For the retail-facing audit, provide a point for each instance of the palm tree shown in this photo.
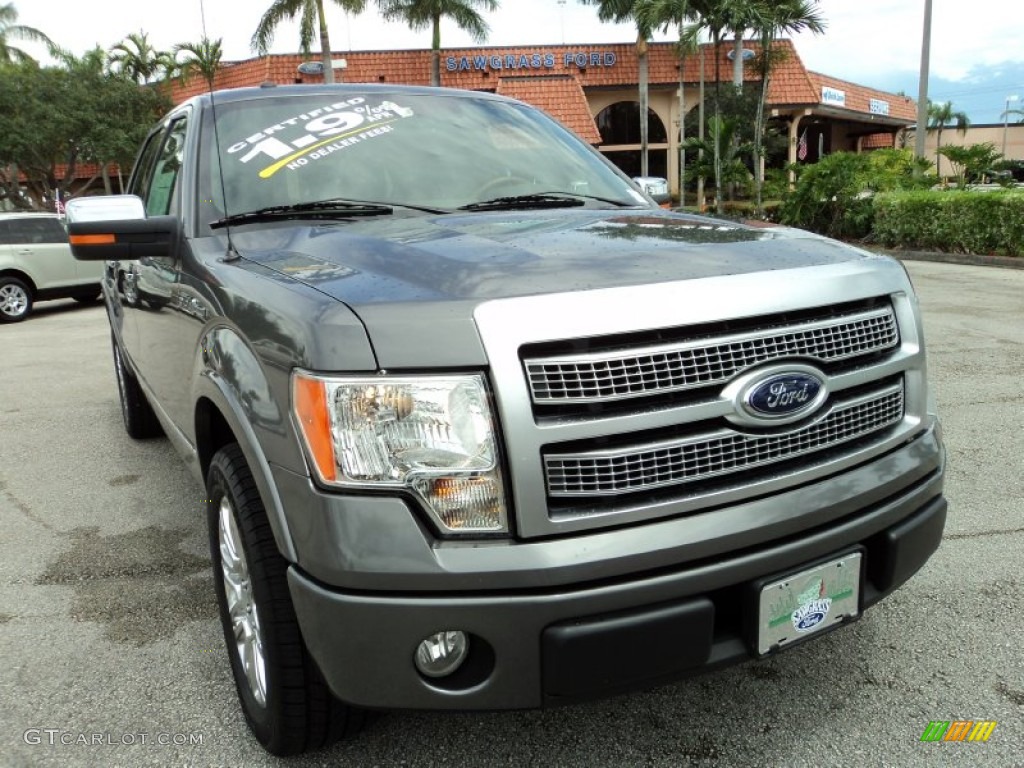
(137, 60)
(664, 14)
(739, 16)
(940, 115)
(312, 22)
(626, 10)
(423, 14)
(723, 143)
(202, 58)
(774, 19)
(11, 30)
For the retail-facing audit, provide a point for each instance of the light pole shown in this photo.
(1006, 119)
(561, 18)
(922, 84)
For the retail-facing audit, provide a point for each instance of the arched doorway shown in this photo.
(619, 124)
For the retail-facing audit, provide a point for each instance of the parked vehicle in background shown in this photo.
(36, 264)
(481, 426)
(656, 187)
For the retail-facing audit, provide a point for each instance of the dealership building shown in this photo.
(592, 89)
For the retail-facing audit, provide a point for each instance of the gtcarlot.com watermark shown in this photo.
(53, 737)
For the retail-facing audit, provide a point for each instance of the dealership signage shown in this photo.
(833, 96)
(530, 61)
(878, 107)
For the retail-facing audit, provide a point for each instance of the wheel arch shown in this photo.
(23, 276)
(218, 421)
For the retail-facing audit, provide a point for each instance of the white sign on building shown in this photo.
(833, 96)
(878, 107)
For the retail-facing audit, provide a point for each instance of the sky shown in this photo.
(977, 48)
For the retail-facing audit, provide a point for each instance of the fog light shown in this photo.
(442, 653)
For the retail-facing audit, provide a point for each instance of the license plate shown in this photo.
(811, 601)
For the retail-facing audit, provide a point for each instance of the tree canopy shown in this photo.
(55, 119)
(136, 59)
(11, 30)
(312, 24)
(202, 58)
(427, 14)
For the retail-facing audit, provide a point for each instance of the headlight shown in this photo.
(433, 435)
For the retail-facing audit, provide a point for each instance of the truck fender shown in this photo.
(230, 381)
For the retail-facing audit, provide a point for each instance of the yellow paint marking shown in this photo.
(270, 170)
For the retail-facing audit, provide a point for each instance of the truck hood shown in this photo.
(415, 280)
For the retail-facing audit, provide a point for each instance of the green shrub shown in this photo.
(776, 184)
(956, 221)
(833, 196)
(827, 198)
(970, 163)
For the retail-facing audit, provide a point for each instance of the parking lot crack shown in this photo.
(22, 507)
(982, 534)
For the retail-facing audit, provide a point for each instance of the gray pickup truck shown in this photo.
(482, 427)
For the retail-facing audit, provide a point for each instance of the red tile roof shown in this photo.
(558, 95)
(603, 65)
(83, 171)
(858, 97)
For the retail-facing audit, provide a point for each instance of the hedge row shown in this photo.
(956, 221)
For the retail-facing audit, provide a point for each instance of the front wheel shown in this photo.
(284, 698)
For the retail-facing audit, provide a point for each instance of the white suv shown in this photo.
(36, 264)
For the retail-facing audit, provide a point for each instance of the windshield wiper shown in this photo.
(317, 209)
(609, 200)
(544, 200)
(522, 202)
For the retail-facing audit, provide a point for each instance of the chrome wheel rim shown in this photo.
(245, 622)
(13, 300)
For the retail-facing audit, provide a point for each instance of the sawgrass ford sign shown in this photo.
(579, 59)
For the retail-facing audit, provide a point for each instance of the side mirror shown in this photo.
(105, 208)
(116, 228)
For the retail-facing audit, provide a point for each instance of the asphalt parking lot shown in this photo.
(109, 635)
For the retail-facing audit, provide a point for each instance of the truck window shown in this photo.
(160, 198)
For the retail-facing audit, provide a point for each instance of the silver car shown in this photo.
(36, 264)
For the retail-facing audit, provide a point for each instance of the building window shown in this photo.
(628, 161)
(620, 124)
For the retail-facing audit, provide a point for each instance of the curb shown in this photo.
(970, 259)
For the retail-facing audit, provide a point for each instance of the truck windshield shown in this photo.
(438, 152)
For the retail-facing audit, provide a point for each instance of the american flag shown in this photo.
(801, 147)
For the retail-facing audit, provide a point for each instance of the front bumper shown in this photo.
(540, 645)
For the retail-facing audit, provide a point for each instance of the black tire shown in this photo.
(15, 300)
(139, 420)
(288, 707)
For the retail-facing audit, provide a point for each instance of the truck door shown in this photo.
(150, 282)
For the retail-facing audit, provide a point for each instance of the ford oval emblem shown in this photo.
(784, 395)
(311, 68)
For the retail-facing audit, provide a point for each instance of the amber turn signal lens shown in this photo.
(92, 239)
(311, 410)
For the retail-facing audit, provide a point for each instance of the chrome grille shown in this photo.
(596, 377)
(672, 462)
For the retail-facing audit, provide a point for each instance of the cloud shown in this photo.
(873, 38)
